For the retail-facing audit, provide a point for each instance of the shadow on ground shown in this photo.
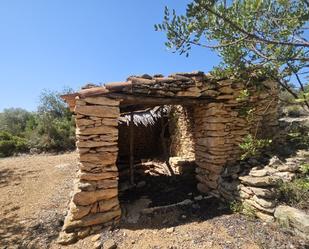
(14, 177)
(162, 193)
(16, 233)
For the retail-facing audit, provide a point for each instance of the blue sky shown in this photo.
(66, 43)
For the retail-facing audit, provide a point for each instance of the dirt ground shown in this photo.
(35, 190)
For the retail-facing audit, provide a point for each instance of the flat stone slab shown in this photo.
(263, 181)
(293, 218)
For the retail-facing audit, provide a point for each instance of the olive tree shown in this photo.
(269, 34)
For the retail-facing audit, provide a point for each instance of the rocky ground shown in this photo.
(34, 192)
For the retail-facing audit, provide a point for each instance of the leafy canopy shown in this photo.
(14, 120)
(51, 128)
(246, 33)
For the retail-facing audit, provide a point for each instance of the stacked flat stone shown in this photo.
(257, 189)
(221, 126)
(176, 85)
(181, 129)
(94, 203)
(218, 128)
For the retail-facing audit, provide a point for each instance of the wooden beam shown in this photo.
(131, 148)
(128, 99)
(163, 143)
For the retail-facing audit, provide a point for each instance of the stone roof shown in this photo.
(135, 84)
(183, 85)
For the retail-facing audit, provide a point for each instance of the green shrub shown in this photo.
(13, 120)
(10, 144)
(243, 95)
(295, 193)
(304, 168)
(236, 206)
(299, 139)
(51, 128)
(239, 207)
(249, 211)
(252, 146)
(294, 111)
(7, 148)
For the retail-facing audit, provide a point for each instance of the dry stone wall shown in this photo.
(235, 109)
(94, 200)
(181, 132)
(220, 128)
(227, 111)
(257, 189)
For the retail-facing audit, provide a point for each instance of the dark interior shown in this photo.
(152, 176)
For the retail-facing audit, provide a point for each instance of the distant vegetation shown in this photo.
(51, 128)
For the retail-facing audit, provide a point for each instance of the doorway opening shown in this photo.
(156, 160)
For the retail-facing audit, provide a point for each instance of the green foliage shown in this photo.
(298, 136)
(266, 34)
(243, 95)
(303, 96)
(53, 134)
(247, 112)
(239, 207)
(286, 98)
(304, 168)
(14, 120)
(10, 144)
(52, 105)
(236, 206)
(295, 193)
(51, 128)
(252, 146)
(294, 111)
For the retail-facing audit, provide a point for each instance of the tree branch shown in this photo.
(300, 83)
(222, 45)
(254, 36)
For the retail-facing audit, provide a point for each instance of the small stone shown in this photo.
(262, 192)
(109, 244)
(264, 217)
(67, 238)
(83, 233)
(258, 173)
(97, 245)
(170, 230)
(285, 176)
(288, 167)
(195, 206)
(198, 198)
(96, 237)
(141, 184)
(264, 202)
(275, 161)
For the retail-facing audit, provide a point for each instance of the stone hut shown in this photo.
(211, 118)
